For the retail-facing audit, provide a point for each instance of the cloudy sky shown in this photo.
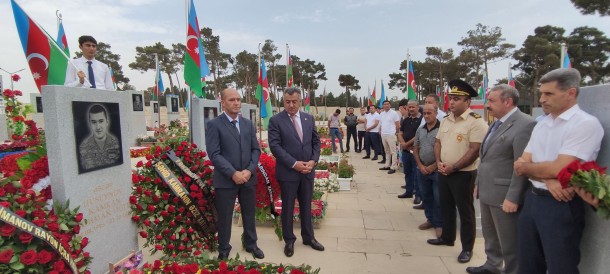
(365, 38)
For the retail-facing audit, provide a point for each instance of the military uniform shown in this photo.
(92, 156)
(456, 189)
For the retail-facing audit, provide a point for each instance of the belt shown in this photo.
(540, 192)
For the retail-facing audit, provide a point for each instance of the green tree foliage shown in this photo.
(106, 56)
(218, 61)
(593, 6)
(350, 83)
(269, 51)
(245, 74)
(589, 49)
(145, 60)
(485, 44)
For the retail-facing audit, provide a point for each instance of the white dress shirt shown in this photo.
(574, 133)
(388, 120)
(101, 73)
(231, 120)
(370, 121)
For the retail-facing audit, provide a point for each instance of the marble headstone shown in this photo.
(172, 103)
(250, 112)
(137, 117)
(37, 115)
(102, 194)
(3, 128)
(154, 116)
(203, 111)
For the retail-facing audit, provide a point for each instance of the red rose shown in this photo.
(21, 213)
(22, 200)
(78, 217)
(76, 229)
(84, 242)
(15, 77)
(143, 234)
(151, 208)
(158, 247)
(44, 256)
(39, 222)
(59, 265)
(25, 238)
(593, 166)
(6, 256)
(53, 226)
(139, 164)
(29, 257)
(7, 230)
(146, 222)
(133, 200)
(39, 214)
(135, 218)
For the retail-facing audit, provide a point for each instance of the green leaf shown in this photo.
(17, 266)
(64, 227)
(602, 193)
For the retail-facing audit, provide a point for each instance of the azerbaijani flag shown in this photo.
(511, 80)
(262, 94)
(195, 65)
(307, 102)
(46, 59)
(368, 96)
(446, 98)
(566, 60)
(382, 95)
(62, 40)
(159, 89)
(289, 77)
(411, 95)
(483, 87)
(373, 98)
(112, 78)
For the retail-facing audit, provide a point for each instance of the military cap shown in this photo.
(461, 88)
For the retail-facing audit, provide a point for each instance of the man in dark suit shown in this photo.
(295, 143)
(233, 148)
(500, 190)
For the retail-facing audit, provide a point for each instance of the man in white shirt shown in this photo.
(87, 72)
(390, 123)
(372, 134)
(360, 128)
(552, 218)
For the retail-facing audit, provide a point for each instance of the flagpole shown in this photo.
(157, 89)
(563, 54)
(407, 78)
(287, 64)
(261, 102)
(58, 14)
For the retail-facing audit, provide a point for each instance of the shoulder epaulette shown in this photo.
(475, 115)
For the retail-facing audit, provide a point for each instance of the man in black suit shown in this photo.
(295, 143)
(233, 148)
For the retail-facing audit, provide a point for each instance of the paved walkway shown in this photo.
(368, 230)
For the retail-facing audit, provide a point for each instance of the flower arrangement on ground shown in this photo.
(591, 178)
(345, 169)
(166, 224)
(139, 152)
(325, 181)
(23, 133)
(318, 210)
(25, 190)
(233, 265)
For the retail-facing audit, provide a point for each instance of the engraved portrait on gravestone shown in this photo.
(174, 104)
(138, 104)
(155, 107)
(38, 104)
(209, 113)
(97, 130)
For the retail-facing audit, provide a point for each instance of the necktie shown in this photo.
(91, 76)
(494, 127)
(297, 127)
(234, 123)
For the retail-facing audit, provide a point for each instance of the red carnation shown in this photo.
(25, 238)
(44, 256)
(29, 257)
(15, 77)
(6, 256)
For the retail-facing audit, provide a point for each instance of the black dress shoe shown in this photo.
(420, 206)
(256, 252)
(367, 157)
(381, 162)
(384, 168)
(347, 150)
(417, 200)
(405, 195)
(315, 245)
(465, 256)
(479, 270)
(223, 255)
(289, 249)
(374, 158)
(440, 241)
(391, 171)
(403, 187)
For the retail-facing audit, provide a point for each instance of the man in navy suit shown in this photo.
(295, 143)
(233, 148)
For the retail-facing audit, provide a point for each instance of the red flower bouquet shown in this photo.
(233, 265)
(591, 178)
(166, 224)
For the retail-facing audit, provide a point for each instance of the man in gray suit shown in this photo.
(295, 143)
(233, 148)
(499, 189)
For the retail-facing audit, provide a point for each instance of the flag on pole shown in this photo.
(62, 40)
(289, 77)
(446, 98)
(511, 80)
(368, 96)
(195, 64)
(373, 98)
(159, 88)
(412, 90)
(483, 87)
(382, 95)
(262, 93)
(307, 101)
(566, 59)
(112, 78)
(46, 59)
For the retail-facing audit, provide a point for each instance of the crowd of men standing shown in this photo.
(530, 224)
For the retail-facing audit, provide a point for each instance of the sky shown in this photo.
(365, 38)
